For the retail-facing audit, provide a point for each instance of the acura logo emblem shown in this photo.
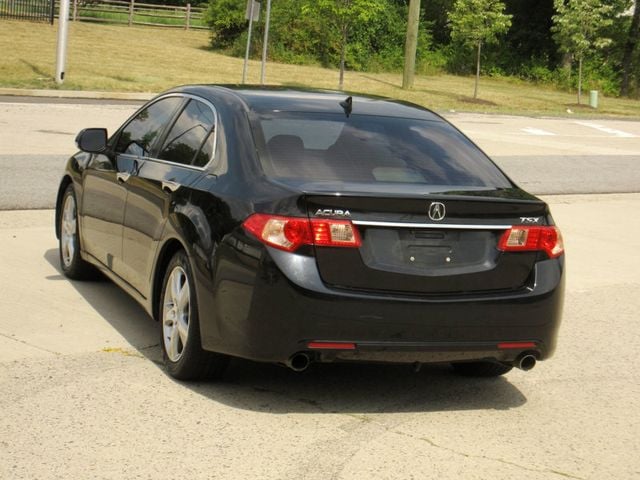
(436, 211)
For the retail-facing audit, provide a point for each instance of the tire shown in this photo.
(182, 352)
(481, 369)
(71, 262)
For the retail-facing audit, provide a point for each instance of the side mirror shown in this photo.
(92, 140)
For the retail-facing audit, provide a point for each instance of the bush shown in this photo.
(227, 22)
(597, 74)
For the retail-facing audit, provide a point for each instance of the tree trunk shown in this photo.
(343, 49)
(579, 80)
(475, 89)
(629, 48)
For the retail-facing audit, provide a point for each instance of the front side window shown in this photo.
(190, 140)
(317, 147)
(138, 137)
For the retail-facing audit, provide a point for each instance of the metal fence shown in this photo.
(35, 10)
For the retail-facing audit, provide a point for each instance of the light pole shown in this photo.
(63, 31)
(265, 42)
(246, 54)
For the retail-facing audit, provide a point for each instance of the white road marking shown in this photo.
(612, 131)
(536, 131)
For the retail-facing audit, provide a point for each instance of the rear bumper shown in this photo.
(281, 305)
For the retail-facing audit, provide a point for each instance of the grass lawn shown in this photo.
(146, 59)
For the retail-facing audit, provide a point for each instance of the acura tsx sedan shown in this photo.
(295, 227)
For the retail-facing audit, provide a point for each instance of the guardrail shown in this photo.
(133, 13)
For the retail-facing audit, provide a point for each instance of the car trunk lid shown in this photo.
(438, 243)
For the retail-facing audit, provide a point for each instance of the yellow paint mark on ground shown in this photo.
(122, 351)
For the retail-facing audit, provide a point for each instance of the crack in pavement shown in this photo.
(483, 457)
(29, 344)
(370, 422)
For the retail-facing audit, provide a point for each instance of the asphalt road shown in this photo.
(82, 394)
(543, 155)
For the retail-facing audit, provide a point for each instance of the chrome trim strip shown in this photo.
(167, 162)
(431, 225)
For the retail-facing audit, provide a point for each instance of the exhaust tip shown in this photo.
(526, 362)
(299, 362)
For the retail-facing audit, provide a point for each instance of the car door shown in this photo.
(102, 211)
(105, 181)
(162, 183)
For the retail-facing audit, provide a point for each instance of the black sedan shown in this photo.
(296, 227)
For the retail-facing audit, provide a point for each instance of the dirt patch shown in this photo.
(477, 101)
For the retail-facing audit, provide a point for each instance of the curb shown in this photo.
(24, 92)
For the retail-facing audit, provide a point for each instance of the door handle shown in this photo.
(123, 177)
(169, 186)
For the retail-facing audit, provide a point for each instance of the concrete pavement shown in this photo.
(36, 139)
(82, 396)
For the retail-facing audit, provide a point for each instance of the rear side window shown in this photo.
(313, 147)
(138, 137)
(190, 140)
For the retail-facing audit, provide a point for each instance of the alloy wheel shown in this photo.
(68, 235)
(176, 314)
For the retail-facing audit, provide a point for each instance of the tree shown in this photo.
(577, 25)
(227, 21)
(478, 22)
(339, 16)
(629, 49)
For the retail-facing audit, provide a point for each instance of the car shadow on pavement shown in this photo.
(121, 311)
(358, 388)
(325, 388)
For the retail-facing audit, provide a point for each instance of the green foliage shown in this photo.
(578, 25)
(305, 32)
(227, 22)
(529, 41)
(475, 22)
(379, 45)
(435, 13)
(338, 17)
(311, 32)
(598, 74)
(478, 22)
(538, 73)
(340, 14)
(577, 29)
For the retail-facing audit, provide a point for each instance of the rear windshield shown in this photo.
(317, 147)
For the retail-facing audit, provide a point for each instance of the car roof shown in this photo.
(261, 99)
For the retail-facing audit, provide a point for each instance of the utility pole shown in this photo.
(411, 44)
(265, 43)
(63, 29)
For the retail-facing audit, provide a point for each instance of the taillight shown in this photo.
(290, 233)
(526, 239)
